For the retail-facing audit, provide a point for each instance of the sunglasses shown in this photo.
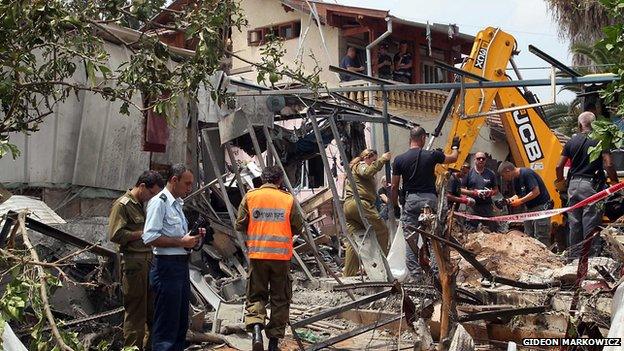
(480, 158)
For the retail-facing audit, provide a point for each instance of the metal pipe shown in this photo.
(308, 236)
(553, 61)
(505, 313)
(342, 308)
(446, 111)
(352, 333)
(369, 62)
(239, 179)
(228, 204)
(332, 185)
(254, 141)
(459, 71)
(386, 132)
(594, 79)
(553, 100)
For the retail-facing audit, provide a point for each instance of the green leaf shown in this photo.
(2, 326)
(161, 51)
(6, 147)
(105, 70)
(125, 108)
(90, 70)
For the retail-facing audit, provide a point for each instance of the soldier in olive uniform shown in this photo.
(126, 222)
(364, 168)
(269, 218)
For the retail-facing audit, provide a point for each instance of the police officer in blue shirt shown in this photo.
(166, 230)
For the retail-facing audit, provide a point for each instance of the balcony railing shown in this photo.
(416, 101)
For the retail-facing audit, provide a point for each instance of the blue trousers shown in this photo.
(171, 285)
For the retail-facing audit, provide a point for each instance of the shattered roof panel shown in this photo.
(38, 209)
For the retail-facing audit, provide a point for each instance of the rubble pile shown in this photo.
(512, 255)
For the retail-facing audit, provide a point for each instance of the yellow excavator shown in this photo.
(531, 142)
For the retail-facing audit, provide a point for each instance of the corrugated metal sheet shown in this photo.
(48, 155)
(37, 209)
(88, 142)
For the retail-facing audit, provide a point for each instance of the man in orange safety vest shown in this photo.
(270, 220)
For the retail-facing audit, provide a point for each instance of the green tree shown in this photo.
(43, 42)
(609, 136)
(562, 117)
(581, 22)
(613, 45)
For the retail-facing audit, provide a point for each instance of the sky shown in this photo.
(529, 21)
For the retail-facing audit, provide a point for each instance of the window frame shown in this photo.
(278, 29)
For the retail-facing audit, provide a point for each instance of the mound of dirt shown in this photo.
(509, 255)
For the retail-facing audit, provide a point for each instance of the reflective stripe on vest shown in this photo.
(269, 235)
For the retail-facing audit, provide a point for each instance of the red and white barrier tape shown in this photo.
(529, 216)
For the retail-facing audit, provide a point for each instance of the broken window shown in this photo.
(432, 74)
(290, 30)
(312, 173)
(429, 72)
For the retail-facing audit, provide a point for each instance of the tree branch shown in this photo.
(75, 253)
(42, 285)
(22, 260)
(81, 87)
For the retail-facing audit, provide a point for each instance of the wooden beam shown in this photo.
(316, 200)
(354, 31)
(321, 239)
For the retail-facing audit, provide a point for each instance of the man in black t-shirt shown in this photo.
(481, 183)
(453, 189)
(403, 64)
(384, 63)
(416, 169)
(531, 193)
(585, 178)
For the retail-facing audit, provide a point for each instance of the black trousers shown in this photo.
(171, 285)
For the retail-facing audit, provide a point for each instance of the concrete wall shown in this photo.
(262, 13)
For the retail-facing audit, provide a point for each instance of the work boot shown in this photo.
(273, 344)
(256, 343)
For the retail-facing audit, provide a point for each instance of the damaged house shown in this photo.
(506, 287)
